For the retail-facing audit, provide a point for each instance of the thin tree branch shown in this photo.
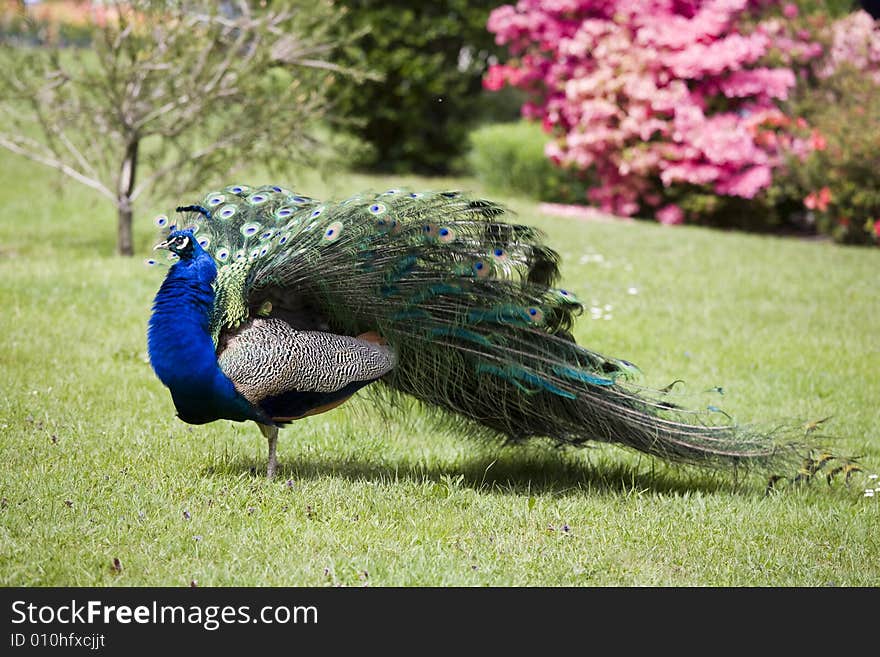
(78, 156)
(12, 145)
(161, 172)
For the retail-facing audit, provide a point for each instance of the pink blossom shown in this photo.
(747, 183)
(689, 172)
(670, 215)
(800, 148)
(495, 78)
(627, 208)
(818, 200)
(790, 10)
(855, 42)
(775, 83)
(727, 54)
(766, 138)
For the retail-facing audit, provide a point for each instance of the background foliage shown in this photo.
(509, 158)
(431, 59)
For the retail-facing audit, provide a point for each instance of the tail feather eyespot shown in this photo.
(238, 189)
(226, 211)
(283, 212)
(250, 228)
(483, 269)
(445, 234)
(332, 232)
(500, 255)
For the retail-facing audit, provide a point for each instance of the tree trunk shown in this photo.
(124, 244)
(124, 205)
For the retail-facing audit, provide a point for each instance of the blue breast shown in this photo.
(181, 349)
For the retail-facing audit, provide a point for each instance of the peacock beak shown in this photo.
(161, 245)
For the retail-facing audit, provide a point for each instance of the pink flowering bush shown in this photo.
(660, 99)
(855, 42)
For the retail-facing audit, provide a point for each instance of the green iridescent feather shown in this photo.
(468, 302)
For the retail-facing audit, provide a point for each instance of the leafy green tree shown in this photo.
(431, 57)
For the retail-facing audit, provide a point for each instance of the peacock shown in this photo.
(277, 306)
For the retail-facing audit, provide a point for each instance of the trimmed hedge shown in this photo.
(509, 157)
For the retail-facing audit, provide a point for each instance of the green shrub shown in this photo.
(775, 210)
(840, 182)
(431, 59)
(509, 157)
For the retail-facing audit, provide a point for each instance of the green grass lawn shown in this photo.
(96, 467)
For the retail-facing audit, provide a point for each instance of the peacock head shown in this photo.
(180, 242)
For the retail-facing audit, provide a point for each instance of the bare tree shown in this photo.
(170, 93)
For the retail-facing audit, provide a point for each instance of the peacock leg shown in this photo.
(271, 434)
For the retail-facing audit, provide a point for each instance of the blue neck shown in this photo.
(182, 351)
